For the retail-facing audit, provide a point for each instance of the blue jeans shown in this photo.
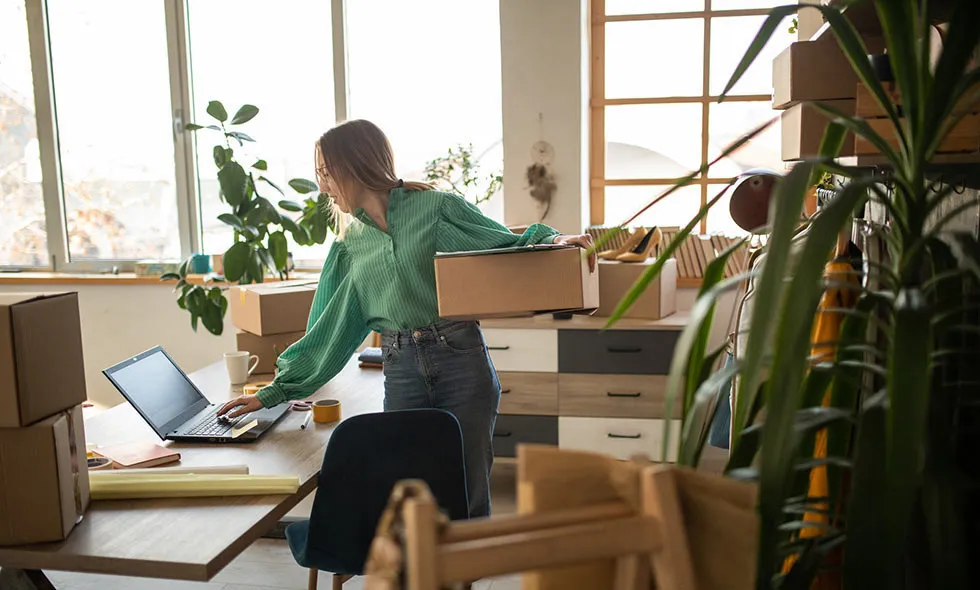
(447, 366)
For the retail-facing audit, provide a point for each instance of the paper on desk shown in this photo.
(179, 485)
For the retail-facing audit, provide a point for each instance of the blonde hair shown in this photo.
(359, 152)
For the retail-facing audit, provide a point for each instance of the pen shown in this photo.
(306, 421)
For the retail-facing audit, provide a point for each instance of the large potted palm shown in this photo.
(896, 403)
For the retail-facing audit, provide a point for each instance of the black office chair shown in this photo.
(365, 457)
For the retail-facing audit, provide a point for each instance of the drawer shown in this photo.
(528, 393)
(528, 351)
(613, 396)
(619, 437)
(616, 351)
(510, 430)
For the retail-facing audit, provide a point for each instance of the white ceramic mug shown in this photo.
(240, 365)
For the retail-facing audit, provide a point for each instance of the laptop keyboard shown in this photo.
(213, 425)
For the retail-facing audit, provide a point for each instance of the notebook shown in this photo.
(138, 454)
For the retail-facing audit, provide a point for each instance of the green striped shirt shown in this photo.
(376, 280)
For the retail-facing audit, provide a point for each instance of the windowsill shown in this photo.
(123, 278)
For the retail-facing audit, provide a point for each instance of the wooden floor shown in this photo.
(268, 564)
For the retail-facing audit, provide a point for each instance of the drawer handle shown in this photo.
(611, 435)
(504, 434)
(505, 390)
(617, 349)
(631, 394)
(498, 347)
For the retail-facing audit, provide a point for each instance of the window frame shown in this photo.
(598, 103)
(185, 142)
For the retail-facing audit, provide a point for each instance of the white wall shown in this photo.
(544, 81)
(121, 320)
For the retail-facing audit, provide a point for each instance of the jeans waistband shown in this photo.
(430, 333)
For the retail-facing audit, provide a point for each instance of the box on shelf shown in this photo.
(867, 106)
(44, 487)
(41, 366)
(272, 308)
(658, 301)
(815, 70)
(963, 137)
(265, 347)
(802, 129)
(515, 282)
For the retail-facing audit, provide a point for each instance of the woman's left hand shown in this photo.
(583, 241)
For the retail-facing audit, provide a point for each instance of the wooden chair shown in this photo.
(651, 540)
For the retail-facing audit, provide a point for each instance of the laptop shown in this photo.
(176, 409)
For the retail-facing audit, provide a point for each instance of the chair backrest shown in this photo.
(366, 456)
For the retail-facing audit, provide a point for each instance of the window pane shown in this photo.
(719, 217)
(23, 239)
(428, 73)
(635, 58)
(288, 76)
(653, 141)
(652, 6)
(740, 4)
(677, 209)
(730, 37)
(111, 82)
(729, 121)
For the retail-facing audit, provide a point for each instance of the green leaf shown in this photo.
(236, 261)
(279, 249)
(830, 146)
(960, 41)
(303, 186)
(251, 233)
(245, 114)
(265, 257)
(792, 339)
(966, 250)
(698, 419)
(170, 276)
(272, 184)
(255, 266)
(261, 165)
(220, 156)
(241, 137)
(212, 318)
(217, 110)
(232, 220)
(290, 205)
(233, 182)
(860, 127)
(193, 127)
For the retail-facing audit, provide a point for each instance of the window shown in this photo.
(288, 76)
(114, 129)
(97, 169)
(659, 66)
(23, 238)
(428, 74)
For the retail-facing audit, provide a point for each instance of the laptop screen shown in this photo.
(157, 389)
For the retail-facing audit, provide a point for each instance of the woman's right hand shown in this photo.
(245, 404)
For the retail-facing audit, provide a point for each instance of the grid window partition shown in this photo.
(658, 67)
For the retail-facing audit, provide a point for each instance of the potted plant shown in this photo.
(260, 227)
(458, 172)
(895, 401)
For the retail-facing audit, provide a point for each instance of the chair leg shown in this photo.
(311, 585)
(338, 581)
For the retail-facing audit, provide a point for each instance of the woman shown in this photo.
(379, 276)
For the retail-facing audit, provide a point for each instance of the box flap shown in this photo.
(11, 299)
(512, 250)
(8, 373)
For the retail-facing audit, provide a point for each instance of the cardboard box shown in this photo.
(815, 70)
(515, 282)
(802, 129)
(265, 347)
(272, 308)
(41, 366)
(658, 301)
(43, 479)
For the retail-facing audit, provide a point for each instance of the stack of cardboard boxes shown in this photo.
(270, 317)
(44, 487)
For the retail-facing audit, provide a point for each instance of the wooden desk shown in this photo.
(194, 538)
